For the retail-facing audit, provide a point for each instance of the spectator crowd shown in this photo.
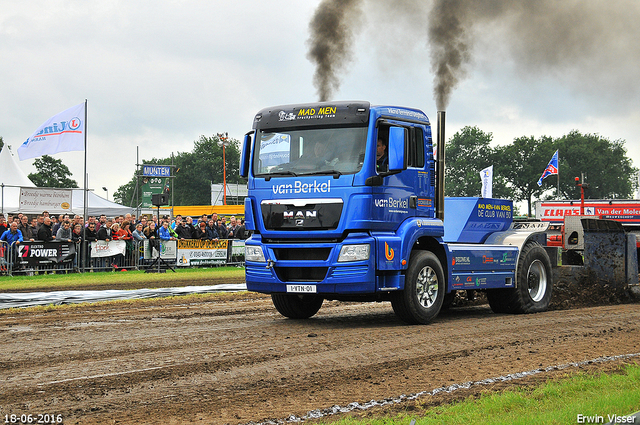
(45, 227)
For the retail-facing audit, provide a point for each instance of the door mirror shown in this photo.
(398, 137)
(245, 156)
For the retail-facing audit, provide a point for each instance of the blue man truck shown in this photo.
(346, 202)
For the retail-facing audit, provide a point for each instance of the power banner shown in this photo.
(34, 254)
(101, 249)
(196, 252)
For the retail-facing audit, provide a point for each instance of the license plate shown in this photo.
(304, 289)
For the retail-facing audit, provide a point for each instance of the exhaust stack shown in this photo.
(440, 167)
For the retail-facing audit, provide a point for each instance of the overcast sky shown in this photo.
(157, 75)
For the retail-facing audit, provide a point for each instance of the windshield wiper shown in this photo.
(267, 176)
(335, 173)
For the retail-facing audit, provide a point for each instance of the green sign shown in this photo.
(153, 186)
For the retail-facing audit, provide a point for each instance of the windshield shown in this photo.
(307, 151)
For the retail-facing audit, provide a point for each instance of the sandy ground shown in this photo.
(235, 360)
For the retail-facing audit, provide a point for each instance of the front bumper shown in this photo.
(311, 263)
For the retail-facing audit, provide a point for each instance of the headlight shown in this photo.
(253, 253)
(354, 253)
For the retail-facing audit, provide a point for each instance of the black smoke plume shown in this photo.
(589, 47)
(330, 42)
(449, 44)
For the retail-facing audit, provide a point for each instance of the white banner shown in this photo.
(167, 249)
(36, 200)
(63, 132)
(275, 150)
(486, 176)
(107, 249)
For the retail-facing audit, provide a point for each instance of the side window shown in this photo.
(382, 148)
(416, 148)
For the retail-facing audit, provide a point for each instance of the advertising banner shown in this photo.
(34, 254)
(237, 251)
(275, 149)
(196, 252)
(624, 211)
(107, 249)
(168, 250)
(34, 200)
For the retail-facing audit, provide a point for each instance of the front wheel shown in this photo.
(296, 306)
(424, 290)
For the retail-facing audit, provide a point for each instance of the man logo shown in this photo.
(299, 215)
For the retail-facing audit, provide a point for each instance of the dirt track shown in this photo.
(236, 360)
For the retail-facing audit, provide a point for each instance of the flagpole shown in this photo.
(85, 161)
(558, 193)
(83, 252)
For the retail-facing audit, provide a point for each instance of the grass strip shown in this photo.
(198, 276)
(597, 397)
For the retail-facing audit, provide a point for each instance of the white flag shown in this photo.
(61, 133)
(486, 176)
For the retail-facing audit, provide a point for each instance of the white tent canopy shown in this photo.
(12, 178)
(10, 172)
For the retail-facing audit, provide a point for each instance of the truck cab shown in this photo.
(343, 204)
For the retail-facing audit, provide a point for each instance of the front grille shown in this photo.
(320, 216)
(301, 274)
(300, 241)
(302, 254)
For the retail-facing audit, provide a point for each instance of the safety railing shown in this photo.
(5, 264)
(36, 257)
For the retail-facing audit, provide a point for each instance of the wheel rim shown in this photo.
(427, 287)
(537, 280)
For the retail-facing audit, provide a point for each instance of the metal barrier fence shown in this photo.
(111, 256)
(39, 257)
(4, 264)
(29, 258)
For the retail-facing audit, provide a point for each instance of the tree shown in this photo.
(204, 165)
(520, 163)
(604, 163)
(125, 194)
(194, 172)
(1, 143)
(51, 173)
(467, 153)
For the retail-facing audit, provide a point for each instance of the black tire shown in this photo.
(424, 289)
(448, 300)
(534, 284)
(295, 306)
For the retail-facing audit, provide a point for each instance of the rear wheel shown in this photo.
(296, 306)
(424, 290)
(534, 284)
